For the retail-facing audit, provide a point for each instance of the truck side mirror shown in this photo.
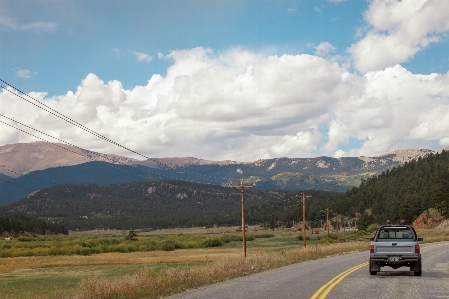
(420, 239)
(371, 239)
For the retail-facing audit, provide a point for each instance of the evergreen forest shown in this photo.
(18, 223)
(402, 192)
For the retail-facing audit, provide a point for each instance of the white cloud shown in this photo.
(399, 29)
(142, 56)
(324, 49)
(36, 26)
(291, 10)
(245, 106)
(339, 154)
(23, 73)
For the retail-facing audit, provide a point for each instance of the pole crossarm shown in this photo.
(242, 188)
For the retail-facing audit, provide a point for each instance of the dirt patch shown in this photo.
(428, 219)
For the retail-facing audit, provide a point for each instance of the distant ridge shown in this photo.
(23, 165)
(27, 157)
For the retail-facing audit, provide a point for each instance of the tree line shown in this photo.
(14, 224)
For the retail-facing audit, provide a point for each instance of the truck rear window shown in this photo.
(395, 233)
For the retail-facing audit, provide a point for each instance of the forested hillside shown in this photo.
(140, 205)
(403, 192)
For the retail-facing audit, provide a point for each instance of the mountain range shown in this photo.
(28, 167)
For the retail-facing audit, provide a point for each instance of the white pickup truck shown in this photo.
(395, 246)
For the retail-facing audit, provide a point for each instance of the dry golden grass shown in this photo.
(151, 284)
(150, 257)
(188, 268)
(176, 231)
(432, 235)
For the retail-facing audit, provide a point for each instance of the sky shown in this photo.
(237, 80)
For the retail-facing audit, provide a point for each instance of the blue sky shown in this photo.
(238, 80)
(101, 36)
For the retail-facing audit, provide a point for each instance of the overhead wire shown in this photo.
(74, 152)
(112, 164)
(86, 129)
(77, 124)
(26, 175)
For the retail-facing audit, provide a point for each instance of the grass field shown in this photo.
(124, 273)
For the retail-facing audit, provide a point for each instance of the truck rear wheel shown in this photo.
(371, 271)
(418, 271)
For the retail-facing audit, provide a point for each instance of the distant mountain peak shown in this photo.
(23, 158)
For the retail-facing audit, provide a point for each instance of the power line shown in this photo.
(26, 175)
(75, 123)
(67, 149)
(16, 185)
(89, 157)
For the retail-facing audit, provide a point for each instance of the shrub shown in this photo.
(230, 238)
(167, 246)
(212, 242)
(372, 227)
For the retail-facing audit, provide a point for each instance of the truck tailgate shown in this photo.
(395, 249)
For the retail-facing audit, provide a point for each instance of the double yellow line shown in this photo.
(324, 290)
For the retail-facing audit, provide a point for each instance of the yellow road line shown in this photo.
(324, 290)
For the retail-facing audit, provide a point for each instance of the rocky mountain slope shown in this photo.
(22, 158)
(28, 167)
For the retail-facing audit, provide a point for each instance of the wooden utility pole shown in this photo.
(241, 188)
(327, 222)
(304, 223)
(336, 225)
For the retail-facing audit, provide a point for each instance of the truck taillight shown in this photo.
(417, 250)
(371, 248)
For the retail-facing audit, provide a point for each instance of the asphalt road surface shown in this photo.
(344, 276)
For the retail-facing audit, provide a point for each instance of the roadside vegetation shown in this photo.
(88, 245)
(158, 273)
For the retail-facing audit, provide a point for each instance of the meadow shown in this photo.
(156, 273)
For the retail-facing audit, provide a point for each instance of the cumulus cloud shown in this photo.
(398, 30)
(232, 105)
(244, 106)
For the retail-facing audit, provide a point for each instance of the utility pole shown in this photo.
(327, 222)
(241, 188)
(336, 225)
(304, 223)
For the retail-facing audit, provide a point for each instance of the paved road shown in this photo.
(303, 280)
